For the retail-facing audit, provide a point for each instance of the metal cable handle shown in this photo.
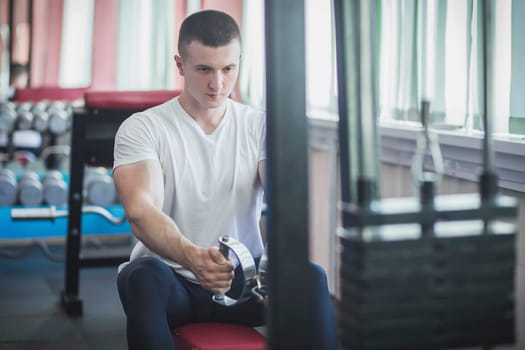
(247, 263)
(50, 213)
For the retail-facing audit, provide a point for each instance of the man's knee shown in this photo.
(143, 274)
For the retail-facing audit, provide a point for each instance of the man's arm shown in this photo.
(141, 191)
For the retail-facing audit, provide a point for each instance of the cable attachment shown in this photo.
(252, 281)
(427, 169)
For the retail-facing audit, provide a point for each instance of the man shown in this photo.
(187, 172)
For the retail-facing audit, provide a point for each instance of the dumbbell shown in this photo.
(15, 166)
(23, 157)
(7, 116)
(37, 165)
(60, 160)
(254, 280)
(8, 187)
(24, 117)
(40, 116)
(55, 188)
(30, 189)
(98, 187)
(58, 122)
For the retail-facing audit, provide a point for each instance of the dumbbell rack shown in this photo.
(92, 139)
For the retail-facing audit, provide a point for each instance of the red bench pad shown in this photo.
(218, 336)
(127, 100)
(53, 93)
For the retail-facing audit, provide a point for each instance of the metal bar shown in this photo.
(11, 35)
(290, 321)
(29, 60)
(365, 92)
(488, 79)
(51, 213)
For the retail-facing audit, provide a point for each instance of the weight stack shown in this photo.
(427, 293)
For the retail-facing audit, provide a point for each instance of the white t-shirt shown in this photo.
(211, 183)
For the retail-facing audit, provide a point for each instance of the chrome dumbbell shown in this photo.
(98, 187)
(15, 166)
(24, 117)
(59, 118)
(55, 188)
(40, 116)
(61, 154)
(30, 190)
(7, 116)
(8, 187)
(254, 280)
(37, 165)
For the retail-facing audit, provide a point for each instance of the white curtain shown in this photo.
(76, 45)
(320, 57)
(145, 45)
(429, 49)
(252, 74)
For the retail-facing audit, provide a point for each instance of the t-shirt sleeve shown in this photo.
(134, 141)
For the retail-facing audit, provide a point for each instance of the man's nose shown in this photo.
(216, 81)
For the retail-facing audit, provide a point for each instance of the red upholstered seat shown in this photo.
(218, 336)
(127, 100)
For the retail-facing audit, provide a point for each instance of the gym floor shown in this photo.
(32, 319)
(30, 314)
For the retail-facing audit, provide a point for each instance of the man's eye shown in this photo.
(228, 69)
(203, 69)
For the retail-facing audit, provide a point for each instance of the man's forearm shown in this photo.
(161, 235)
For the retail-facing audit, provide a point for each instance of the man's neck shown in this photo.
(207, 118)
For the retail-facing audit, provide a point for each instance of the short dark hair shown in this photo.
(210, 28)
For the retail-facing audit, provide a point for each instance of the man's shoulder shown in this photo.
(153, 114)
(242, 109)
(160, 109)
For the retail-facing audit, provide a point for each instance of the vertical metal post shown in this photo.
(348, 129)
(290, 321)
(69, 298)
(488, 179)
(355, 38)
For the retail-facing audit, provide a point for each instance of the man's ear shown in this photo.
(178, 61)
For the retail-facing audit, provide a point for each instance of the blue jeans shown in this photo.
(156, 300)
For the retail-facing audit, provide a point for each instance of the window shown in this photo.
(431, 49)
(426, 50)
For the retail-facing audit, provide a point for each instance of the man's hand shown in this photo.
(212, 269)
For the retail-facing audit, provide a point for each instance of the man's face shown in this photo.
(209, 73)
